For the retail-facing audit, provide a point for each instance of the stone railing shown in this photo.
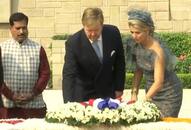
(56, 62)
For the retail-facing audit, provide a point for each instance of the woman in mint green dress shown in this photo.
(155, 62)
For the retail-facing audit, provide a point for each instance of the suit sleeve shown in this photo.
(119, 71)
(69, 73)
(44, 73)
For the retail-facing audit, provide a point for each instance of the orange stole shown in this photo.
(171, 119)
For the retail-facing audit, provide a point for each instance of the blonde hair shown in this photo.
(92, 16)
(141, 26)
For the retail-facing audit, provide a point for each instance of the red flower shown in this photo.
(11, 121)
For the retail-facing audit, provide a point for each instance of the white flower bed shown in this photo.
(75, 114)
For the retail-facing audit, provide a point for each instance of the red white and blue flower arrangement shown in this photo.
(104, 112)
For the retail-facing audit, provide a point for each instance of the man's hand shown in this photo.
(22, 98)
(118, 94)
(17, 98)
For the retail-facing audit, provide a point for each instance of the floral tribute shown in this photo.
(11, 121)
(104, 112)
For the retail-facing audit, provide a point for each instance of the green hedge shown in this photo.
(179, 44)
(185, 79)
(61, 37)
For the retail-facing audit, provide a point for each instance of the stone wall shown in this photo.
(51, 17)
(57, 61)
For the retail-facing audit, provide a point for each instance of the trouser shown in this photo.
(25, 113)
(3, 111)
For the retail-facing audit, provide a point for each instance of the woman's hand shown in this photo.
(148, 99)
(134, 97)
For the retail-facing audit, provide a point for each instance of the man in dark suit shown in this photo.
(94, 61)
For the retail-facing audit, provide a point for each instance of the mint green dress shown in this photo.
(169, 98)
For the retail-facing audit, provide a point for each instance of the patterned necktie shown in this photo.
(97, 50)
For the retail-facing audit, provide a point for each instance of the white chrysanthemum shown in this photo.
(75, 112)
